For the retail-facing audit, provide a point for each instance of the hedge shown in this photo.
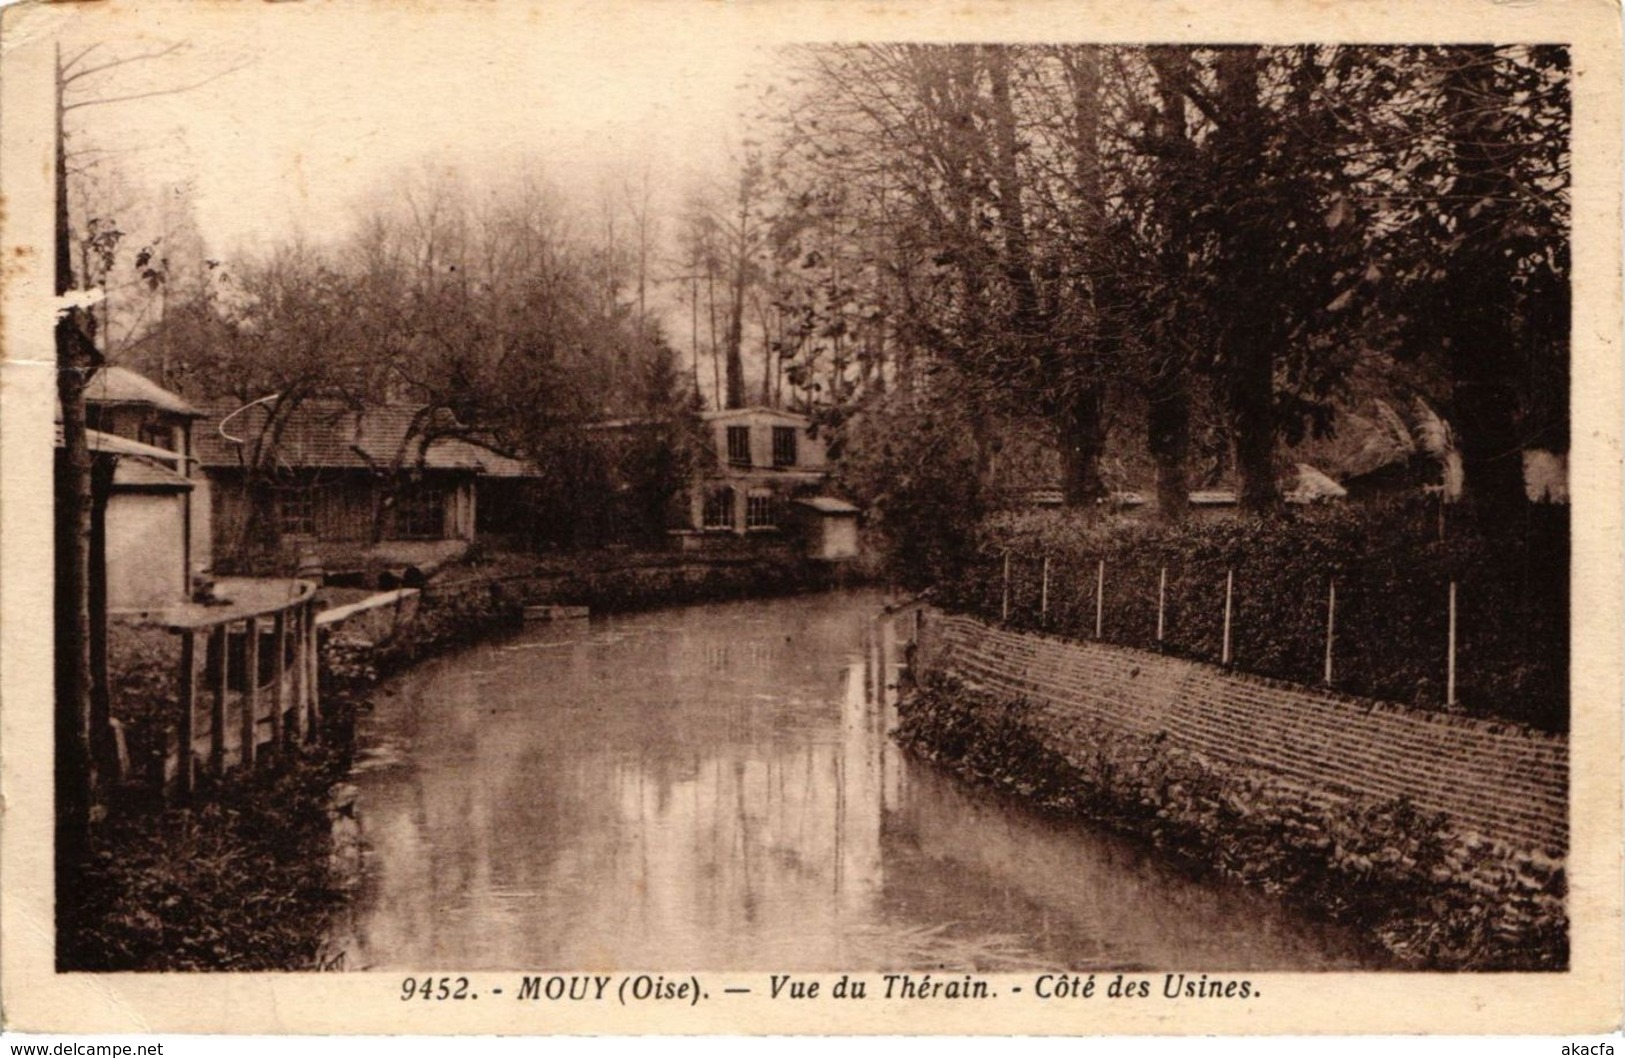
(1392, 569)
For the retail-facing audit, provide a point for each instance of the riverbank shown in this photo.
(1434, 897)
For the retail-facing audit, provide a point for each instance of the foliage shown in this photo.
(239, 882)
(909, 464)
(1434, 900)
(1084, 233)
(1392, 574)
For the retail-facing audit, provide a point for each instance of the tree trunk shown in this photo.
(76, 360)
(1168, 423)
(1485, 365)
(1082, 436)
(1168, 413)
(1246, 346)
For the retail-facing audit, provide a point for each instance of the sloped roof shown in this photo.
(828, 505)
(124, 446)
(756, 412)
(139, 472)
(329, 434)
(119, 385)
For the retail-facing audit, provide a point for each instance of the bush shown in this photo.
(1392, 576)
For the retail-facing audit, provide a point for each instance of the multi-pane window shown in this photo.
(719, 509)
(759, 510)
(739, 445)
(296, 511)
(784, 446)
(421, 514)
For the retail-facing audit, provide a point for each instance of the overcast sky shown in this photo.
(324, 106)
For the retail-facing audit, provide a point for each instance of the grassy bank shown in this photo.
(238, 881)
(1389, 870)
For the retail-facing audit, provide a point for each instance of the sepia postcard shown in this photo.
(811, 518)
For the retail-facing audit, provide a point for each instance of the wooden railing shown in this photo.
(265, 702)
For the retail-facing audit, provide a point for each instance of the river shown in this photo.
(712, 787)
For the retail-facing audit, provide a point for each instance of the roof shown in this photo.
(124, 446)
(142, 466)
(330, 434)
(139, 472)
(755, 412)
(828, 505)
(119, 385)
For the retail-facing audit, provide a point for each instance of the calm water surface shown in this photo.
(712, 787)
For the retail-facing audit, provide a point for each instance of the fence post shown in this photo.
(315, 672)
(1100, 597)
(1450, 662)
(1229, 592)
(185, 774)
(217, 727)
(1043, 595)
(1162, 597)
(1004, 609)
(1331, 624)
(279, 686)
(301, 672)
(251, 695)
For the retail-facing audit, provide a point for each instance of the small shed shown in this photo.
(145, 512)
(829, 527)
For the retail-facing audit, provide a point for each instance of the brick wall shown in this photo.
(1506, 782)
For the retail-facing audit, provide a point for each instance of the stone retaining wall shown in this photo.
(1506, 782)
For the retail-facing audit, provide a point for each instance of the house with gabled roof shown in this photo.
(333, 481)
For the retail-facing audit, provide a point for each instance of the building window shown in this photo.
(421, 514)
(784, 446)
(759, 510)
(739, 445)
(296, 511)
(157, 435)
(719, 510)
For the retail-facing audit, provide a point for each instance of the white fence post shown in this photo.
(1331, 624)
(1162, 598)
(1229, 592)
(1100, 598)
(1450, 662)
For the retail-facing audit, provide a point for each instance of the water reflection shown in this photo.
(713, 788)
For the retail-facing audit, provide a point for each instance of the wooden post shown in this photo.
(1100, 598)
(1043, 595)
(188, 693)
(1004, 611)
(1162, 600)
(217, 727)
(279, 684)
(301, 671)
(1229, 592)
(1331, 624)
(1450, 661)
(251, 695)
(315, 660)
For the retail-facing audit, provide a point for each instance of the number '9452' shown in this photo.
(435, 988)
